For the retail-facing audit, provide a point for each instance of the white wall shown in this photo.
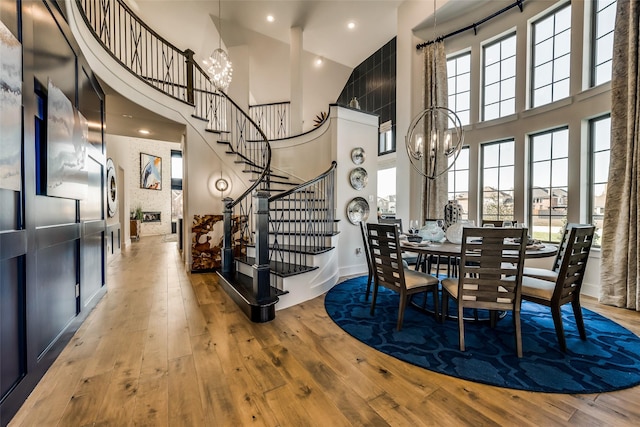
(125, 152)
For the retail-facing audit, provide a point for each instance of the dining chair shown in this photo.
(389, 272)
(552, 274)
(367, 254)
(496, 223)
(568, 282)
(490, 276)
(409, 257)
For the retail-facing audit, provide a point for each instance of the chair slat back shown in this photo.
(491, 266)
(396, 221)
(386, 255)
(574, 261)
(365, 243)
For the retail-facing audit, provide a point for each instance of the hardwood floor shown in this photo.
(167, 348)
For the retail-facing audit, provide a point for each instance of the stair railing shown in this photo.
(273, 118)
(301, 222)
(160, 64)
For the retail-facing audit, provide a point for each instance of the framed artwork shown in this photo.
(10, 110)
(67, 136)
(150, 172)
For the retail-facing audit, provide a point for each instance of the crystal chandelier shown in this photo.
(219, 67)
(218, 64)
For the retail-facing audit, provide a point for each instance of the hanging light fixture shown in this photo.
(434, 135)
(218, 63)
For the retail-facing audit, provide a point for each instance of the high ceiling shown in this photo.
(191, 23)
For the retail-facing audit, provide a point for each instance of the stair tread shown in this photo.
(329, 234)
(244, 284)
(308, 250)
(281, 269)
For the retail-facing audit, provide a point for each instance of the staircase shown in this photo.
(277, 228)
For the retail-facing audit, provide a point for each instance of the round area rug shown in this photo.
(608, 360)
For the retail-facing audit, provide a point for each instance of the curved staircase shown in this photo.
(279, 234)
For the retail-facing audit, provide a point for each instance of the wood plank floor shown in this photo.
(167, 348)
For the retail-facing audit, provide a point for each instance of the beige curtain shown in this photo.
(619, 270)
(435, 93)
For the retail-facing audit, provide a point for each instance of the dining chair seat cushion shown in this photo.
(537, 288)
(540, 273)
(451, 286)
(415, 279)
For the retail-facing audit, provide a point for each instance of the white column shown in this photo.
(295, 64)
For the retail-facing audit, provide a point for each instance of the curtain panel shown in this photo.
(435, 191)
(619, 269)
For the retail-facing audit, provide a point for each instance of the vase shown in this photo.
(452, 213)
(454, 233)
(431, 232)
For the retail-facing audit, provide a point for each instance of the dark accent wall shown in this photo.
(373, 83)
(52, 249)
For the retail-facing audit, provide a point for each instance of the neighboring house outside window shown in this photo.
(549, 184)
(459, 181)
(498, 180)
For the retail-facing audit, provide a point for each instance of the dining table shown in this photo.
(452, 251)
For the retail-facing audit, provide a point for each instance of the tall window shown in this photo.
(499, 78)
(459, 87)
(551, 57)
(387, 191)
(549, 184)
(599, 142)
(498, 180)
(459, 181)
(604, 19)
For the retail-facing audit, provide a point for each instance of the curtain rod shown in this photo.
(473, 26)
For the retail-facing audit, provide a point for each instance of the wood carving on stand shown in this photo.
(206, 241)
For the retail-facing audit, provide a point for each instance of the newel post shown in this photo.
(227, 248)
(261, 271)
(190, 73)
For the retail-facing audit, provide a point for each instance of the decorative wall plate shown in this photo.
(357, 155)
(357, 210)
(358, 178)
(112, 189)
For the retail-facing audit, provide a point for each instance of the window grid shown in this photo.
(499, 76)
(458, 179)
(603, 23)
(548, 194)
(498, 180)
(551, 45)
(599, 147)
(459, 86)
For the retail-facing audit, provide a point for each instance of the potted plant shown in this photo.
(134, 224)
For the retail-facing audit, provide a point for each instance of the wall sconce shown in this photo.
(221, 185)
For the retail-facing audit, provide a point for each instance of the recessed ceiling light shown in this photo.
(270, 18)
(127, 116)
(351, 25)
(144, 131)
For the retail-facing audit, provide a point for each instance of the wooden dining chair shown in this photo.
(496, 223)
(409, 257)
(568, 282)
(552, 274)
(388, 269)
(367, 254)
(490, 276)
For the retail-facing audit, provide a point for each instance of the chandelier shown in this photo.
(218, 64)
(220, 68)
(435, 135)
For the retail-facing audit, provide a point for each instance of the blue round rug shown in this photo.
(608, 360)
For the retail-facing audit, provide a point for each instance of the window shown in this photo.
(498, 180)
(386, 141)
(459, 87)
(387, 192)
(499, 59)
(551, 57)
(459, 181)
(549, 184)
(604, 19)
(599, 143)
(176, 170)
